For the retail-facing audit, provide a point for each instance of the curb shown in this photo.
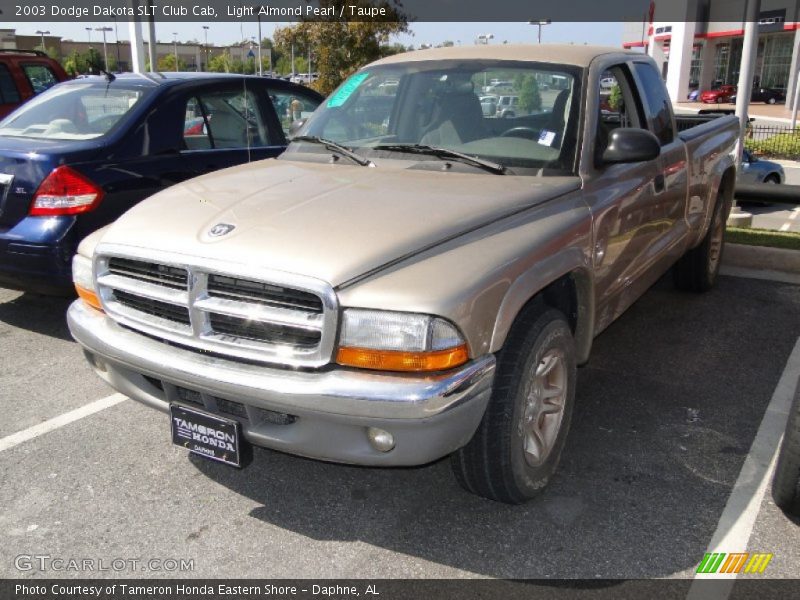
(761, 258)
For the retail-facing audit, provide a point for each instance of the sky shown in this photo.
(422, 33)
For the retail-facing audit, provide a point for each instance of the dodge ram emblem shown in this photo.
(221, 229)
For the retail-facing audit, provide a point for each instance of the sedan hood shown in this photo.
(329, 221)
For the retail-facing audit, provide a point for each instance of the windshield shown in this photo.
(520, 115)
(75, 111)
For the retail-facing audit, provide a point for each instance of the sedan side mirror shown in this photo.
(629, 145)
(295, 126)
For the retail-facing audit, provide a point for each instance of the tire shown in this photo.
(771, 101)
(772, 178)
(505, 461)
(697, 270)
(786, 482)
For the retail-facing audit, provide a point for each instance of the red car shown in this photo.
(718, 95)
(23, 74)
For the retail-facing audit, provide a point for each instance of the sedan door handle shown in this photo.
(659, 183)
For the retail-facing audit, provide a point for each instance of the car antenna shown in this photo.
(109, 76)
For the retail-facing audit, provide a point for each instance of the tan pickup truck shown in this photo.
(412, 279)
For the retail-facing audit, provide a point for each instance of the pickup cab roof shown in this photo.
(566, 54)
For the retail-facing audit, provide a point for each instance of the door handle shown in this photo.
(659, 183)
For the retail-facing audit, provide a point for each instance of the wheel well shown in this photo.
(727, 184)
(562, 295)
(572, 294)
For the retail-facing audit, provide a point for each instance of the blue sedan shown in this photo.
(758, 170)
(79, 155)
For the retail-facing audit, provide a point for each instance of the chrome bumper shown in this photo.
(428, 415)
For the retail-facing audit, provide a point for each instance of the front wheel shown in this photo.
(518, 444)
(697, 270)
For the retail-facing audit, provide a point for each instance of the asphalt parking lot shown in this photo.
(667, 411)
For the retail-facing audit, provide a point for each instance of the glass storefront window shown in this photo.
(777, 61)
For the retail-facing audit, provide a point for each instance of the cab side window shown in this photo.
(619, 106)
(224, 120)
(291, 106)
(658, 102)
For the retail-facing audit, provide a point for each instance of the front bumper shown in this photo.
(320, 414)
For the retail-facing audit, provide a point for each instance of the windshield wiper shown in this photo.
(488, 165)
(334, 147)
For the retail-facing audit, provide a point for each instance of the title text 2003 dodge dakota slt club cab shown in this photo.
(412, 279)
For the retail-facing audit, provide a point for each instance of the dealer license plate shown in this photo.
(207, 435)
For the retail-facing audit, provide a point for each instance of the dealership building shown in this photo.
(705, 49)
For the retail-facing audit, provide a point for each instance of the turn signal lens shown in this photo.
(393, 360)
(89, 297)
(65, 192)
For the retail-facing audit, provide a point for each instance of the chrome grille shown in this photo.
(150, 272)
(220, 286)
(255, 314)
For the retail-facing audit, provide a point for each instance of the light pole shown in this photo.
(260, 64)
(105, 52)
(43, 33)
(89, 29)
(116, 38)
(175, 47)
(539, 24)
(205, 45)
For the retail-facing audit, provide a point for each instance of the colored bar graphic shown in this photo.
(722, 562)
(758, 563)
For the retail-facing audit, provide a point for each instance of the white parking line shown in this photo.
(736, 523)
(788, 224)
(30, 433)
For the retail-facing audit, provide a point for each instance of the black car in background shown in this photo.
(767, 95)
(77, 156)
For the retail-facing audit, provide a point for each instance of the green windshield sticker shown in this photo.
(347, 89)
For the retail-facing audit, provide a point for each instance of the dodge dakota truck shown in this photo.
(412, 279)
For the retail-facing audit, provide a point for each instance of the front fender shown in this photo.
(572, 262)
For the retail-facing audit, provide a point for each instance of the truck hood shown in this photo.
(329, 221)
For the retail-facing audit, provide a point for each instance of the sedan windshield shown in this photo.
(73, 111)
(519, 115)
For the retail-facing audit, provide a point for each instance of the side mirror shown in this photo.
(295, 126)
(629, 145)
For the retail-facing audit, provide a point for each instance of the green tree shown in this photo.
(93, 60)
(341, 47)
(530, 100)
(167, 63)
(220, 63)
(615, 98)
(390, 49)
(75, 64)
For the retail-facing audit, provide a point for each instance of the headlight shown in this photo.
(84, 283)
(396, 341)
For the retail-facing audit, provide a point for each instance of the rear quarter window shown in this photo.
(40, 76)
(659, 105)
